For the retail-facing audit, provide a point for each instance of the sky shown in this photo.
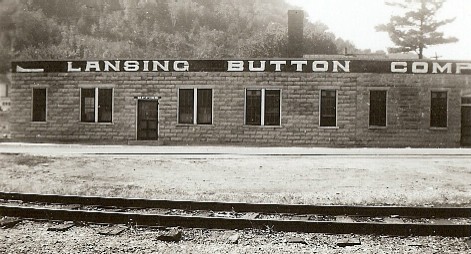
(355, 20)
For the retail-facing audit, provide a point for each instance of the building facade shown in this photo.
(341, 103)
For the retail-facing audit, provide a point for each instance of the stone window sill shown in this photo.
(438, 128)
(377, 127)
(97, 123)
(192, 125)
(329, 127)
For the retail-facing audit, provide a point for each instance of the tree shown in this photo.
(35, 29)
(202, 29)
(417, 28)
(270, 43)
(7, 32)
(317, 41)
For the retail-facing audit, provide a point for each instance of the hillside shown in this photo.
(197, 29)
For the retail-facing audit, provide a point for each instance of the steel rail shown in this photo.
(277, 154)
(334, 210)
(397, 229)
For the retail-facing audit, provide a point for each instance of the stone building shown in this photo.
(344, 102)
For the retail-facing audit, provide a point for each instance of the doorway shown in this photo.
(148, 120)
(466, 126)
(466, 121)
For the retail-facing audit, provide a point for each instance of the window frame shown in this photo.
(96, 105)
(446, 109)
(374, 126)
(33, 104)
(195, 106)
(336, 108)
(263, 106)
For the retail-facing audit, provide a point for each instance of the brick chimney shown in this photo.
(295, 33)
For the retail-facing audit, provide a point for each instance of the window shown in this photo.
(185, 113)
(438, 109)
(328, 116)
(262, 107)
(204, 107)
(195, 106)
(272, 107)
(39, 104)
(105, 101)
(97, 105)
(88, 105)
(377, 108)
(253, 107)
(466, 101)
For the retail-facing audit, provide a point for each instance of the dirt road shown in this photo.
(244, 174)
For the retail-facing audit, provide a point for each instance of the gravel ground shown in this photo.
(33, 237)
(370, 176)
(372, 180)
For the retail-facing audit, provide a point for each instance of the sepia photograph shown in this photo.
(250, 126)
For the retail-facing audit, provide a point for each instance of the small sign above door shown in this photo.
(149, 98)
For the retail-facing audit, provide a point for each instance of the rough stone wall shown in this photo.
(408, 111)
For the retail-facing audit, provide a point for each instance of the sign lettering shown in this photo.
(304, 66)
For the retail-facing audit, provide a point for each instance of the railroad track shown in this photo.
(378, 220)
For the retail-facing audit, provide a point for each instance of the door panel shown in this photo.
(466, 125)
(147, 120)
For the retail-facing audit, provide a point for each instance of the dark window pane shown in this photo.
(185, 107)
(39, 105)
(328, 108)
(105, 105)
(204, 108)
(438, 109)
(272, 107)
(253, 107)
(377, 108)
(88, 105)
(466, 100)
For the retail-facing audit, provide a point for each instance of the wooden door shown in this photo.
(148, 120)
(466, 125)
